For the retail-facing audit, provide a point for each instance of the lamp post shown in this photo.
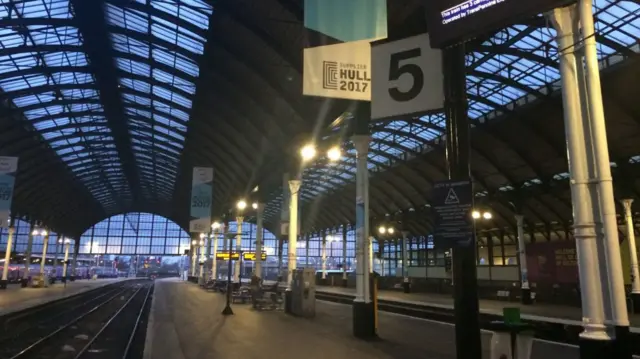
(65, 263)
(384, 232)
(307, 153)
(215, 228)
(240, 206)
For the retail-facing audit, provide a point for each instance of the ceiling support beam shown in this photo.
(91, 22)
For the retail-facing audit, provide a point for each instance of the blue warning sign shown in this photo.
(452, 205)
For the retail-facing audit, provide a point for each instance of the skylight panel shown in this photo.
(48, 35)
(195, 12)
(132, 66)
(137, 85)
(175, 81)
(145, 101)
(171, 96)
(175, 60)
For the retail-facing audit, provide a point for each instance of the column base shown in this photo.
(622, 343)
(595, 349)
(64, 279)
(635, 301)
(525, 296)
(288, 298)
(364, 322)
(406, 287)
(72, 278)
(323, 281)
(227, 310)
(24, 282)
(3, 284)
(345, 282)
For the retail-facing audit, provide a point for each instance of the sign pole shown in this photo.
(466, 308)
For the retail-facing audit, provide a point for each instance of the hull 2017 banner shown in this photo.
(201, 197)
(8, 169)
(338, 71)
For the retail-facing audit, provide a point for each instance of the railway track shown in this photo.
(558, 331)
(104, 326)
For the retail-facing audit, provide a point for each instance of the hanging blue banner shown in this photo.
(201, 197)
(351, 20)
(8, 169)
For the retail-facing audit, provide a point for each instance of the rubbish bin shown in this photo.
(512, 339)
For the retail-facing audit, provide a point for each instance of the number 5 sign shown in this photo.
(406, 79)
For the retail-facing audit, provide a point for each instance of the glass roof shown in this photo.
(496, 83)
(157, 44)
(62, 103)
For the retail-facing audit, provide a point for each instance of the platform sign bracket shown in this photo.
(452, 206)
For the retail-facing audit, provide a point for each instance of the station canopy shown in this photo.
(110, 104)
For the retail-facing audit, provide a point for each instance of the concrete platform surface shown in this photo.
(15, 298)
(186, 323)
(537, 312)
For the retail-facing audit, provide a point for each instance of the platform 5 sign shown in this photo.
(407, 78)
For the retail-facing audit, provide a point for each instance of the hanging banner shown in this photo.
(201, 196)
(407, 78)
(8, 169)
(351, 20)
(338, 71)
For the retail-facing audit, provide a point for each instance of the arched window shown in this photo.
(21, 238)
(135, 233)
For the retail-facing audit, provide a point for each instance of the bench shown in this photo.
(242, 294)
(503, 295)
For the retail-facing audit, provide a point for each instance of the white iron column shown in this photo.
(74, 262)
(294, 188)
(372, 264)
(344, 255)
(405, 263)
(7, 256)
(324, 257)
(260, 230)
(525, 290)
(603, 170)
(27, 254)
(67, 244)
(194, 255)
(594, 335)
(306, 249)
(633, 255)
(45, 247)
(363, 311)
(201, 257)
(214, 259)
(236, 271)
(284, 220)
(361, 143)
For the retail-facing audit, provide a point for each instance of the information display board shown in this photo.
(453, 21)
(247, 256)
